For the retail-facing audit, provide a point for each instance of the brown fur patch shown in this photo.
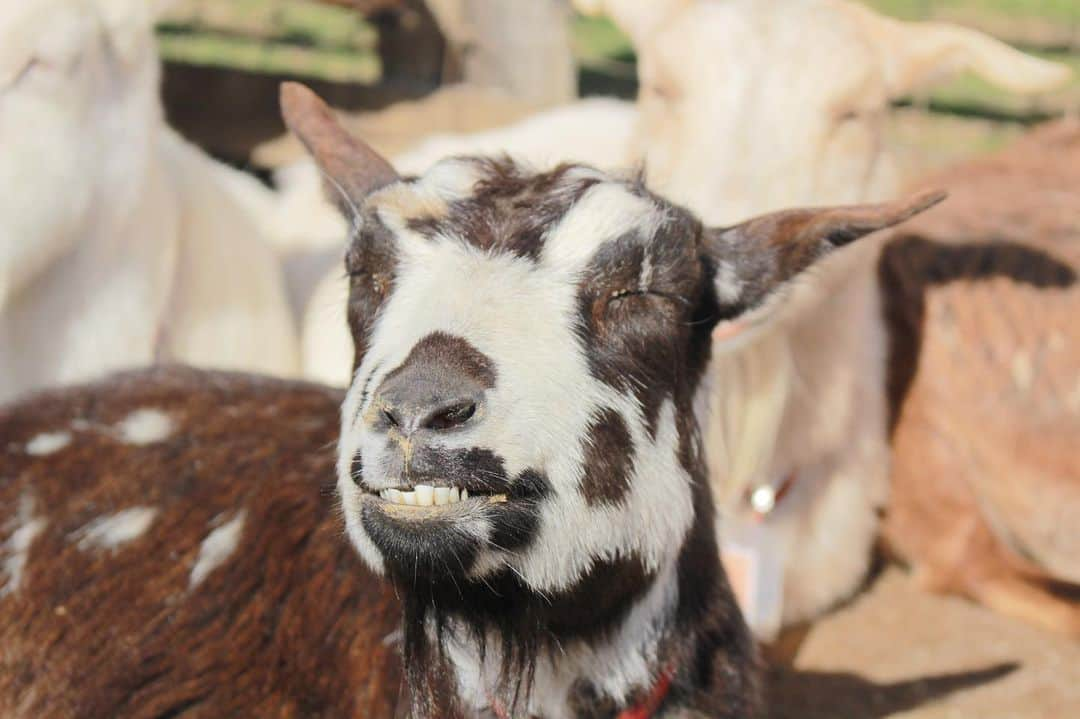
(291, 624)
(634, 336)
(609, 452)
(371, 263)
(440, 352)
(510, 209)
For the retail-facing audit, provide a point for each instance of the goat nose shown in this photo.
(442, 385)
(410, 418)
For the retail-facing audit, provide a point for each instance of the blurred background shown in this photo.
(224, 59)
(232, 274)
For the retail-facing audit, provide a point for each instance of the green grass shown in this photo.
(597, 40)
(222, 50)
(297, 20)
(272, 36)
(1059, 10)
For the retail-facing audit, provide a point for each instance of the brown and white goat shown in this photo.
(982, 299)
(518, 455)
(747, 107)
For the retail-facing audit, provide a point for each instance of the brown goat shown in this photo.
(281, 620)
(982, 300)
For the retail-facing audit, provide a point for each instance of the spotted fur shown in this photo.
(119, 595)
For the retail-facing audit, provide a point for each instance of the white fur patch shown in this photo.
(450, 179)
(145, 426)
(728, 285)
(15, 552)
(218, 547)
(47, 443)
(114, 530)
(1023, 372)
(606, 211)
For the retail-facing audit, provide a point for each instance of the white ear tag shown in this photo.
(754, 562)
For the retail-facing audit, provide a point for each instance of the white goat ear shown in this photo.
(130, 26)
(755, 261)
(918, 54)
(352, 170)
(636, 18)
(929, 51)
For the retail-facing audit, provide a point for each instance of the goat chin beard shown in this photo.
(506, 627)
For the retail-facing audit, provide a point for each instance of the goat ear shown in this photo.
(756, 261)
(351, 169)
(636, 18)
(918, 54)
(929, 51)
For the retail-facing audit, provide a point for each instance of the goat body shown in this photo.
(174, 547)
(981, 295)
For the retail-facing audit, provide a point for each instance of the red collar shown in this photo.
(644, 710)
(648, 707)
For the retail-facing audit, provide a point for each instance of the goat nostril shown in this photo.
(453, 416)
(388, 415)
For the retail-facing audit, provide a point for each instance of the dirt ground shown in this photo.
(897, 651)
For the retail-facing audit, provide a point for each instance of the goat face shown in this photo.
(749, 106)
(78, 99)
(536, 342)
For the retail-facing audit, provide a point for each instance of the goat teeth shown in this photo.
(455, 497)
(464, 494)
(441, 496)
(409, 497)
(425, 495)
(393, 495)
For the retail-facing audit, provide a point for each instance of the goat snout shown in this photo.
(439, 387)
(409, 417)
(425, 399)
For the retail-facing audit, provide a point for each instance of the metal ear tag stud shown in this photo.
(763, 499)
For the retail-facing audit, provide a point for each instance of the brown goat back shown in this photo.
(116, 597)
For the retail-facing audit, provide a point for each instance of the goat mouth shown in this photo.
(424, 501)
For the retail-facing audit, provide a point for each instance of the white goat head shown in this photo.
(78, 100)
(519, 447)
(751, 105)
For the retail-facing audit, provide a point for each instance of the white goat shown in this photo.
(120, 244)
(786, 104)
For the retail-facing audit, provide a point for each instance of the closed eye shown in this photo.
(623, 294)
